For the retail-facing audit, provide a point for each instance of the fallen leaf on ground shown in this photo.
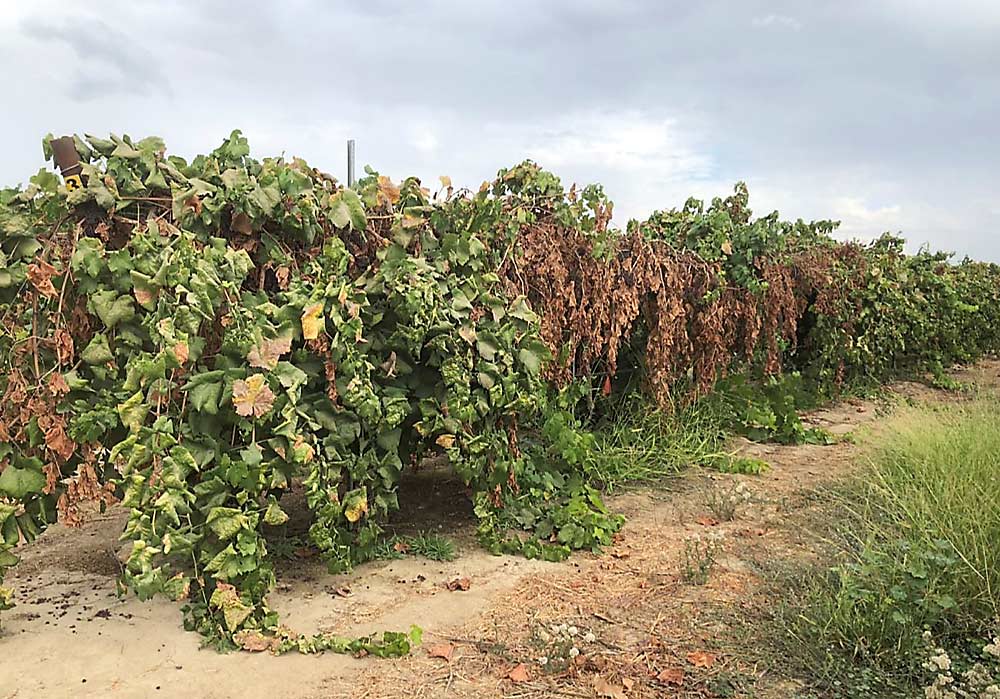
(519, 674)
(606, 689)
(671, 675)
(343, 592)
(459, 583)
(400, 547)
(700, 658)
(707, 521)
(253, 641)
(442, 650)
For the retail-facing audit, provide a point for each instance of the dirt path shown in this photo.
(654, 633)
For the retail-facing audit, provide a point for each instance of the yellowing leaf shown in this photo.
(274, 515)
(302, 451)
(234, 610)
(252, 397)
(268, 352)
(445, 440)
(388, 193)
(178, 587)
(181, 352)
(355, 506)
(145, 296)
(312, 321)
(445, 181)
(727, 248)
(412, 221)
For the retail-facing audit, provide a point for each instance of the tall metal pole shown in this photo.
(350, 163)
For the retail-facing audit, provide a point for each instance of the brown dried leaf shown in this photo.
(284, 275)
(57, 385)
(195, 203)
(458, 583)
(700, 658)
(52, 474)
(603, 688)
(241, 223)
(253, 641)
(58, 442)
(519, 673)
(707, 521)
(63, 343)
(671, 675)
(441, 650)
(40, 275)
(267, 354)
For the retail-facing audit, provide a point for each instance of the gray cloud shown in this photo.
(105, 61)
(880, 113)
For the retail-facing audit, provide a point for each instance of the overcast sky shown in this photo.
(884, 114)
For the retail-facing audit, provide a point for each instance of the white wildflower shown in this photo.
(543, 660)
(572, 631)
(941, 660)
(589, 637)
(573, 652)
(993, 648)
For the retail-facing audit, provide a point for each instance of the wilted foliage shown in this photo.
(189, 338)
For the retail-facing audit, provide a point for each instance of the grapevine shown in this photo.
(191, 338)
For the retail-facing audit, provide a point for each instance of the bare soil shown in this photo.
(656, 634)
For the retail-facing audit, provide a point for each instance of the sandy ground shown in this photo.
(655, 633)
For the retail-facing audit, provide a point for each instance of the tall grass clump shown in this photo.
(639, 442)
(922, 544)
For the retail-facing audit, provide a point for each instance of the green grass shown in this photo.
(921, 549)
(641, 443)
(432, 546)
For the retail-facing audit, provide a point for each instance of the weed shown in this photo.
(736, 463)
(724, 503)
(699, 558)
(286, 546)
(920, 547)
(767, 411)
(558, 645)
(432, 546)
(638, 442)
